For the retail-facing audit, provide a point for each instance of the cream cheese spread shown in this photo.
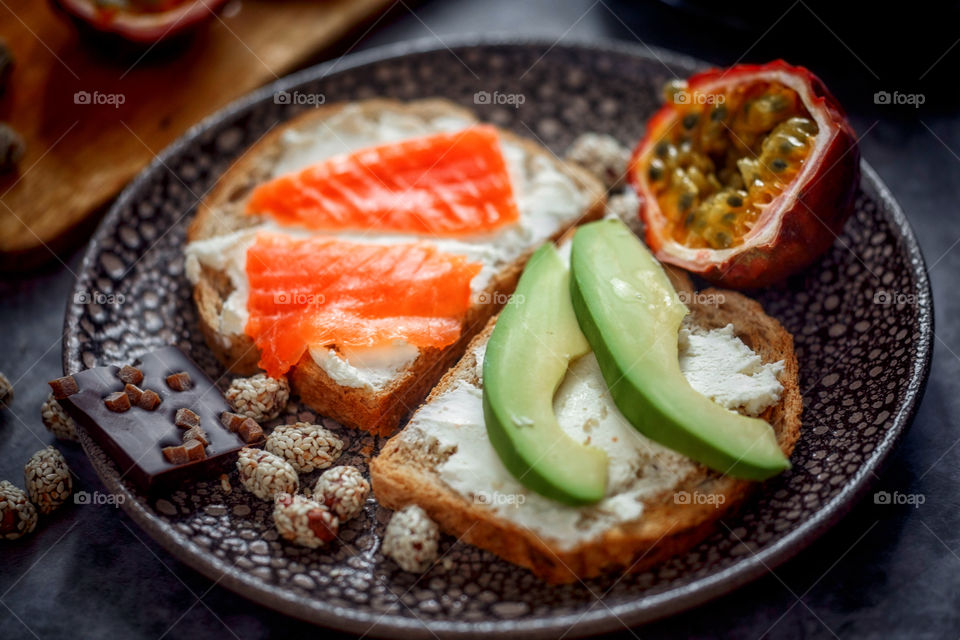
(372, 367)
(720, 366)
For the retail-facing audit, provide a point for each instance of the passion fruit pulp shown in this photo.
(715, 172)
(746, 174)
(138, 22)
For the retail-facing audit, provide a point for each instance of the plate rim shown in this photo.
(596, 620)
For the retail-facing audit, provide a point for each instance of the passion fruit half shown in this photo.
(141, 22)
(746, 175)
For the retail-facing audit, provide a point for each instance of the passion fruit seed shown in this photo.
(735, 201)
(729, 178)
(750, 172)
(719, 113)
(662, 149)
(765, 112)
(777, 102)
(690, 120)
(793, 135)
(804, 125)
(673, 89)
(656, 169)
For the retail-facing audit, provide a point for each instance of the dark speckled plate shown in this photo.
(862, 318)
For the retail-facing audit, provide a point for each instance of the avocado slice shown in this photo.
(631, 316)
(533, 342)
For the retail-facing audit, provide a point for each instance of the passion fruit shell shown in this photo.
(800, 223)
(139, 27)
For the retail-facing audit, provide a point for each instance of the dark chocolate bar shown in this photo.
(137, 437)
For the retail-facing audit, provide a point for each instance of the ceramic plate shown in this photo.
(862, 319)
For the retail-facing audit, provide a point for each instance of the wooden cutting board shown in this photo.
(79, 156)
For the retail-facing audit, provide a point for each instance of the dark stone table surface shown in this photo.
(883, 571)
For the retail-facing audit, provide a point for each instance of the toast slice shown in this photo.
(406, 470)
(375, 408)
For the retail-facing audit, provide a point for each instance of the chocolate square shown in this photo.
(136, 438)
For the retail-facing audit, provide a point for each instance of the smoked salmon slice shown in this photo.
(446, 184)
(324, 291)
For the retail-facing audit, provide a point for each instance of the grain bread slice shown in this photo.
(405, 472)
(377, 410)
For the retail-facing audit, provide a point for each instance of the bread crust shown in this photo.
(380, 411)
(400, 476)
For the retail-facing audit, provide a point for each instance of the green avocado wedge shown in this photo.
(532, 344)
(631, 317)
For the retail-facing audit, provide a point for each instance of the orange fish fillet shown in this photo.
(320, 290)
(445, 184)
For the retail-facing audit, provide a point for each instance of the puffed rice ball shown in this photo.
(343, 490)
(259, 397)
(306, 446)
(18, 516)
(411, 539)
(56, 420)
(601, 155)
(626, 207)
(48, 479)
(265, 475)
(304, 521)
(6, 392)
